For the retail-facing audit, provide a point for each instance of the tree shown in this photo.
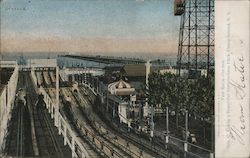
(194, 95)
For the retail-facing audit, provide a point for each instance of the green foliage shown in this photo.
(195, 95)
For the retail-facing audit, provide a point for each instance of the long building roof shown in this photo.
(106, 59)
(134, 70)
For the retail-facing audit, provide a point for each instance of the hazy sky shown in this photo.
(89, 26)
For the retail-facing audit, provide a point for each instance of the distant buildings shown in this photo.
(184, 72)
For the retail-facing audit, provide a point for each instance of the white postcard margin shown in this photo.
(232, 25)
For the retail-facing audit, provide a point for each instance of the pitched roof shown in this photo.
(119, 84)
(120, 88)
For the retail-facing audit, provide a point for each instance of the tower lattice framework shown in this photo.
(196, 38)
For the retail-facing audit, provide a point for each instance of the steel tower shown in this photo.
(196, 37)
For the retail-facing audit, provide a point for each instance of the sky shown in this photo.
(89, 26)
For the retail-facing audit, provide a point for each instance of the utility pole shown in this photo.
(167, 127)
(148, 65)
(146, 107)
(186, 132)
(140, 116)
(152, 122)
(57, 97)
(212, 136)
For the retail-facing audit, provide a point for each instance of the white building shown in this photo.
(121, 101)
(120, 88)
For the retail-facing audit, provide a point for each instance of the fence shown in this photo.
(7, 97)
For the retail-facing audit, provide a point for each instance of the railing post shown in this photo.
(73, 147)
(49, 105)
(59, 126)
(46, 101)
(52, 111)
(211, 155)
(65, 136)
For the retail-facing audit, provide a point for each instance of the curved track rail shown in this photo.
(108, 145)
(96, 134)
(139, 143)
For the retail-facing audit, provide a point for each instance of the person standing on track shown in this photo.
(39, 103)
(21, 97)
